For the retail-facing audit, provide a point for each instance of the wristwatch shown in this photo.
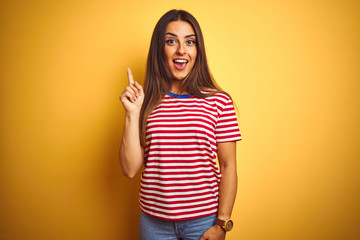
(227, 225)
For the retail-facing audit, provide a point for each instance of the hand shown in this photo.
(133, 96)
(214, 233)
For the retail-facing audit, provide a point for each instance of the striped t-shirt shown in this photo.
(181, 178)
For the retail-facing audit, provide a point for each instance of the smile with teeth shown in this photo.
(180, 64)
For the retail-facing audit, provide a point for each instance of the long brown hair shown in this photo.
(158, 78)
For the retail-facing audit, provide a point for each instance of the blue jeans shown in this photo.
(151, 228)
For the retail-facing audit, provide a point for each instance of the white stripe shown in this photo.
(180, 216)
(179, 152)
(211, 147)
(182, 210)
(203, 148)
(224, 134)
(186, 198)
(150, 164)
(193, 118)
(181, 135)
(187, 123)
(182, 110)
(178, 175)
(177, 193)
(226, 129)
(192, 182)
(213, 185)
(228, 118)
(179, 204)
(176, 158)
(176, 139)
(214, 175)
(213, 143)
(206, 147)
(190, 104)
(227, 123)
(229, 139)
(180, 129)
(178, 170)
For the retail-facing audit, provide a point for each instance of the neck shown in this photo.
(176, 87)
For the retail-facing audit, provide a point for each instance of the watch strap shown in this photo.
(224, 224)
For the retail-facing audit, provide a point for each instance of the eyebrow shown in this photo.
(187, 36)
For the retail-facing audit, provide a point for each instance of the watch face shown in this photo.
(229, 225)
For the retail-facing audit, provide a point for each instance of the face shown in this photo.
(180, 49)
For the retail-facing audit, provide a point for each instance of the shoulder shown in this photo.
(215, 94)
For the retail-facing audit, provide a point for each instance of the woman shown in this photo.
(175, 130)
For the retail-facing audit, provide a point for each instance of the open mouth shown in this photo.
(180, 64)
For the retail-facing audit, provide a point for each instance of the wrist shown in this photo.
(218, 228)
(225, 224)
(223, 216)
(134, 115)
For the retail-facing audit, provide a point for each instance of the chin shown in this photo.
(180, 76)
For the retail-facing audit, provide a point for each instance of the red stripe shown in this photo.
(150, 171)
(175, 154)
(164, 184)
(181, 148)
(181, 214)
(179, 201)
(176, 167)
(238, 136)
(179, 161)
(228, 125)
(178, 190)
(181, 127)
(187, 120)
(215, 194)
(179, 208)
(188, 178)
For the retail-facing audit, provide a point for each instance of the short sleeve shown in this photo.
(227, 128)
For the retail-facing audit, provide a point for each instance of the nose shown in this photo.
(181, 49)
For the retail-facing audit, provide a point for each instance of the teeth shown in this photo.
(180, 61)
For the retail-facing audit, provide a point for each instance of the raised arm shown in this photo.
(131, 154)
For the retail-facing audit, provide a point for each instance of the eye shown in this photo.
(170, 41)
(191, 42)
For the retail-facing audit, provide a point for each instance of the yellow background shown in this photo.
(292, 68)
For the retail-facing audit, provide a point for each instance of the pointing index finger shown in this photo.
(130, 76)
